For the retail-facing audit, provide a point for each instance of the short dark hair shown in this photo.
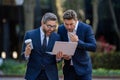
(49, 16)
(70, 14)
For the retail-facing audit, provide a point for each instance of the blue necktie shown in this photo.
(44, 43)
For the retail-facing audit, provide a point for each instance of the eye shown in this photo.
(50, 26)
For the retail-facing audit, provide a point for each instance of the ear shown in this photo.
(42, 23)
(75, 19)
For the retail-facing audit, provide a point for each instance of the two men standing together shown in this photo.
(42, 66)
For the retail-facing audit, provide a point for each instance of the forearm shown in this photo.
(86, 46)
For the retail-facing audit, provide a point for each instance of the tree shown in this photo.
(29, 14)
(59, 9)
(95, 15)
(77, 5)
(114, 19)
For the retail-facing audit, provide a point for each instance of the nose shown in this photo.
(69, 27)
(51, 28)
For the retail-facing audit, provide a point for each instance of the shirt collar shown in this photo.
(76, 26)
(41, 31)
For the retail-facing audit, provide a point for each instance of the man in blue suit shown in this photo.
(78, 66)
(41, 65)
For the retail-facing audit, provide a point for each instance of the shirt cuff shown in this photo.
(26, 56)
(58, 60)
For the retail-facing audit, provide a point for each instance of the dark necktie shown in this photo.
(44, 44)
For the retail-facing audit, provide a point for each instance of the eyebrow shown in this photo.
(69, 24)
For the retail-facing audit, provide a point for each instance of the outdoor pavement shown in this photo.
(20, 78)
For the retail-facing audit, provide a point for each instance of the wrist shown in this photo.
(26, 54)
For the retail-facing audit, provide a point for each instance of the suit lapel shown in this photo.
(78, 29)
(50, 42)
(65, 35)
(38, 39)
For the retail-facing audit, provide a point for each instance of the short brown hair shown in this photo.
(70, 14)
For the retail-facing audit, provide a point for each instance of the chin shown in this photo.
(48, 34)
(70, 31)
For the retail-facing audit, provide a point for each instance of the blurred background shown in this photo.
(19, 16)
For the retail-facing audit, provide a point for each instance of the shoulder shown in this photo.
(55, 34)
(61, 27)
(86, 28)
(34, 31)
(83, 26)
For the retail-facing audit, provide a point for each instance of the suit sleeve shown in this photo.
(24, 45)
(89, 43)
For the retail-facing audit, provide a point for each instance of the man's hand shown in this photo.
(74, 38)
(28, 50)
(66, 57)
(59, 55)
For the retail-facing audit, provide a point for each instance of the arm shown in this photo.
(89, 43)
(26, 48)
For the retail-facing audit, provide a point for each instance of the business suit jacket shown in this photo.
(81, 60)
(39, 60)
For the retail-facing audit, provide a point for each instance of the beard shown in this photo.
(47, 32)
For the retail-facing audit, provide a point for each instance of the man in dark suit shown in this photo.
(78, 66)
(41, 65)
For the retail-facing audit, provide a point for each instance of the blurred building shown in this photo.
(11, 26)
(12, 23)
(106, 24)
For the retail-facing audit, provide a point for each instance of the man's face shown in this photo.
(49, 27)
(70, 24)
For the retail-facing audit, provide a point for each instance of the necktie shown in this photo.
(44, 44)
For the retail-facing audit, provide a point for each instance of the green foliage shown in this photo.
(59, 65)
(12, 67)
(15, 67)
(105, 72)
(106, 60)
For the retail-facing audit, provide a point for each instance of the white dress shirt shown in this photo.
(74, 32)
(41, 37)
